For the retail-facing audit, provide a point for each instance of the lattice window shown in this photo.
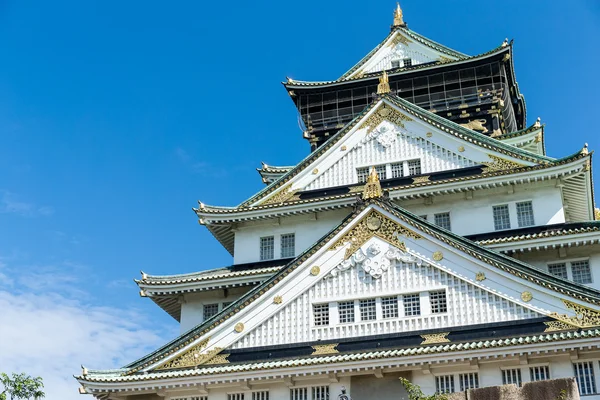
(235, 396)
(412, 304)
(468, 381)
(321, 314)
(395, 63)
(525, 214)
(362, 174)
(511, 376)
(389, 307)
(288, 245)
(584, 373)
(263, 395)
(444, 384)
(442, 220)
(501, 217)
(581, 271)
(367, 309)
(346, 311)
(320, 393)
(539, 373)
(397, 170)
(299, 394)
(438, 302)
(407, 62)
(558, 269)
(267, 248)
(414, 167)
(210, 310)
(380, 169)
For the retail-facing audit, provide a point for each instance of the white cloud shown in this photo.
(11, 204)
(49, 335)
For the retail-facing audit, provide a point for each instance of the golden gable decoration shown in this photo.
(372, 188)
(555, 326)
(193, 357)
(372, 225)
(433, 338)
(500, 164)
(384, 113)
(585, 317)
(325, 349)
(285, 194)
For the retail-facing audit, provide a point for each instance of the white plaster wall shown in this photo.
(308, 229)
(192, 308)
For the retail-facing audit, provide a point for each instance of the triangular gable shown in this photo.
(399, 45)
(509, 279)
(462, 146)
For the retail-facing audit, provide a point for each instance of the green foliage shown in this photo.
(562, 395)
(21, 387)
(415, 392)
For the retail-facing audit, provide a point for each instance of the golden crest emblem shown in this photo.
(373, 223)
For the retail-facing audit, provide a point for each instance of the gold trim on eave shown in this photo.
(281, 197)
(325, 349)
(193, 357)
(372, 225)
(435, 338)
(585, 317)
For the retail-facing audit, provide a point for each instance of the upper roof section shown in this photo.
(270, 173)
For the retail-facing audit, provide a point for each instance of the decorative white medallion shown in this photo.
(374, 260)
(385, 134)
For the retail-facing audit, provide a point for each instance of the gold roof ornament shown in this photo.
(373, 186)
(384, 84)
(398, 17)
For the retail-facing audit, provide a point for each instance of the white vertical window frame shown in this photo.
(525, 214)
(262, 395)
(539, 373)
(267, 248)
(425, 303)
(501, 215)
(288, 245)
(512, 376)
(585, 376)
(468, 381)
(299, 393)
(444, 384)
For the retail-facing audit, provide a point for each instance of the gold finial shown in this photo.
(373, 186)
(585, 149)
(384, 84)
(398, 17)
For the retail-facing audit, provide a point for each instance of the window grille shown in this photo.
(210, 310)
(442, 220)
(389, 307)
(299, 394)
(584, 373)
(412, 304)
(321, 314)
(346, 311)
(438, 302)
(288, 245)
(444, 384)
(501, 217)
(407, 62)
(414, 167)
(397, 170)
(581, 271)
(367, 310)
(525, 214)
(235, 396)
(511, 376)
(380, 169)
(320, 393)
(539, 373)
(395, 63)
(267, 248)
(362, 174)
(468, 381)
(263, 395)
(191, 398)
(558, 269)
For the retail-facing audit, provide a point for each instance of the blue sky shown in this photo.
(116, 117)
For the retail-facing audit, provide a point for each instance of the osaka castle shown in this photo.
(427, 235)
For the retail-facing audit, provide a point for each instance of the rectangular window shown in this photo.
(263, 395)
(501, 217)
(346, 311)
(511, 376)
(581, 271)
(414, 167)
(235, 396)
(395, 63)
(444, 384)
(288, 245)
(525, 214)
(380, 169)
(362, 174)
(389, 307)
(438, 302)
(412, 304)
(367, 310)
(299, 394)
(407, 62)
(397, 170)
(558, 269)
(584, 373)
(442, 220)
(267, 248)
(320, 393)
(539, 373)
(210, 310)
(321, 314)
(468, 381)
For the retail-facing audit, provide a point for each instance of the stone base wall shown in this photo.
(555, 389)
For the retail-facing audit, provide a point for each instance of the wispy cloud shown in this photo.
(10, 203)
(197, 166)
